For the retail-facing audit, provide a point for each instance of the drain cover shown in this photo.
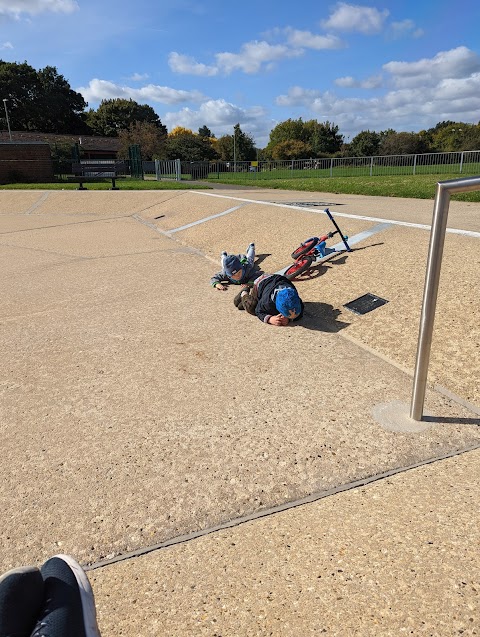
(365, 303)
(309, 204)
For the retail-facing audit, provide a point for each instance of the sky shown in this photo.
(360, 66)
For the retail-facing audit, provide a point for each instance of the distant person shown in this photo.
(236, 269)
(273, 299)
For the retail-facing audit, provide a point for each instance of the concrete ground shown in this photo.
(219, 476)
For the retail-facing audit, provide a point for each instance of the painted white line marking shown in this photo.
(361, 236)
(37, 204)
(195, 223)
(421, 226)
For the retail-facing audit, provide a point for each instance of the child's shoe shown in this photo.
(223, 258)
(237, 301)
(21, 597)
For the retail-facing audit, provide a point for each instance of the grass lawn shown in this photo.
(122, 184)
(409, 186)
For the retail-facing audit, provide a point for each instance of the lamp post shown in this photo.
(234, 151)
(8, 121)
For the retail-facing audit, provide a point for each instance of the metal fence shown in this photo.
(463, 163)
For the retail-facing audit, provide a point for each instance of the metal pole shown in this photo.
(234, 152)
(8, 121)
(432, 277)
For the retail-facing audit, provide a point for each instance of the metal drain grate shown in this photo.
(310, 204)
(365, 303)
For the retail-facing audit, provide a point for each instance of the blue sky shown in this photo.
(363, 66)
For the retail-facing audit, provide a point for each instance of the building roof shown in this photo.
(87, 142)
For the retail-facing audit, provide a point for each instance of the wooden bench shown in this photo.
(87, 170)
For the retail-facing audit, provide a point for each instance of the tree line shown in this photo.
(43, 101)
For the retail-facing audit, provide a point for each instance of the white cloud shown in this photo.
(138, 77)
(15, 8)
(221, 116)
(456, 63)
(187, 65)
(351, 17)
(253, 57)
(99, 90)
(451, 92)
(308, 40)
(405, 28)
(374, 81)
(297, 96)
(6, 45)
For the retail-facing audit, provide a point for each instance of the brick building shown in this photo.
(90, 146)
(25, 161)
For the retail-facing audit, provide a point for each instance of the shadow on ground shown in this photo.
(322, 317)
(259, 258)
(452, 420)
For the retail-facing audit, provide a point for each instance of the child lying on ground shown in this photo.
(236, 269)
(273, 298)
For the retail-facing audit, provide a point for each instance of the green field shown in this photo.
(409, 186)
(106, 184)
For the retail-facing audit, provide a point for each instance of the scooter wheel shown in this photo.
(301, 265)
(304, 248)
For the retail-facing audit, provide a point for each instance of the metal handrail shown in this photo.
(432, 277)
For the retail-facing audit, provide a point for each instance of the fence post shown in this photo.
(414, 164)
(331, 167)
(157, 170)
(178, 170)
(461, 162)
(371, 166)
(432, 277)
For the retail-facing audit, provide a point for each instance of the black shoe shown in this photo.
(69, 605)
(237, 301)
(21, 597)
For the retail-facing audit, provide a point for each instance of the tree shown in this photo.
(471, 139)
(244, 145)
(322, 137)
(187, 146)
(239, 146)
(224, 147)
(365, 144)
(41, 100)
(180, 130)
(118, 114)
(454, 136)
(290, 129)
(402, 144)
(62, 109)
(150, 138)
(204, 131)
(291, 149)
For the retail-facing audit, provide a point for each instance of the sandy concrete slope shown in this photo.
(390, 264)
(397, 557)
(461, 214)
(138, 404)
